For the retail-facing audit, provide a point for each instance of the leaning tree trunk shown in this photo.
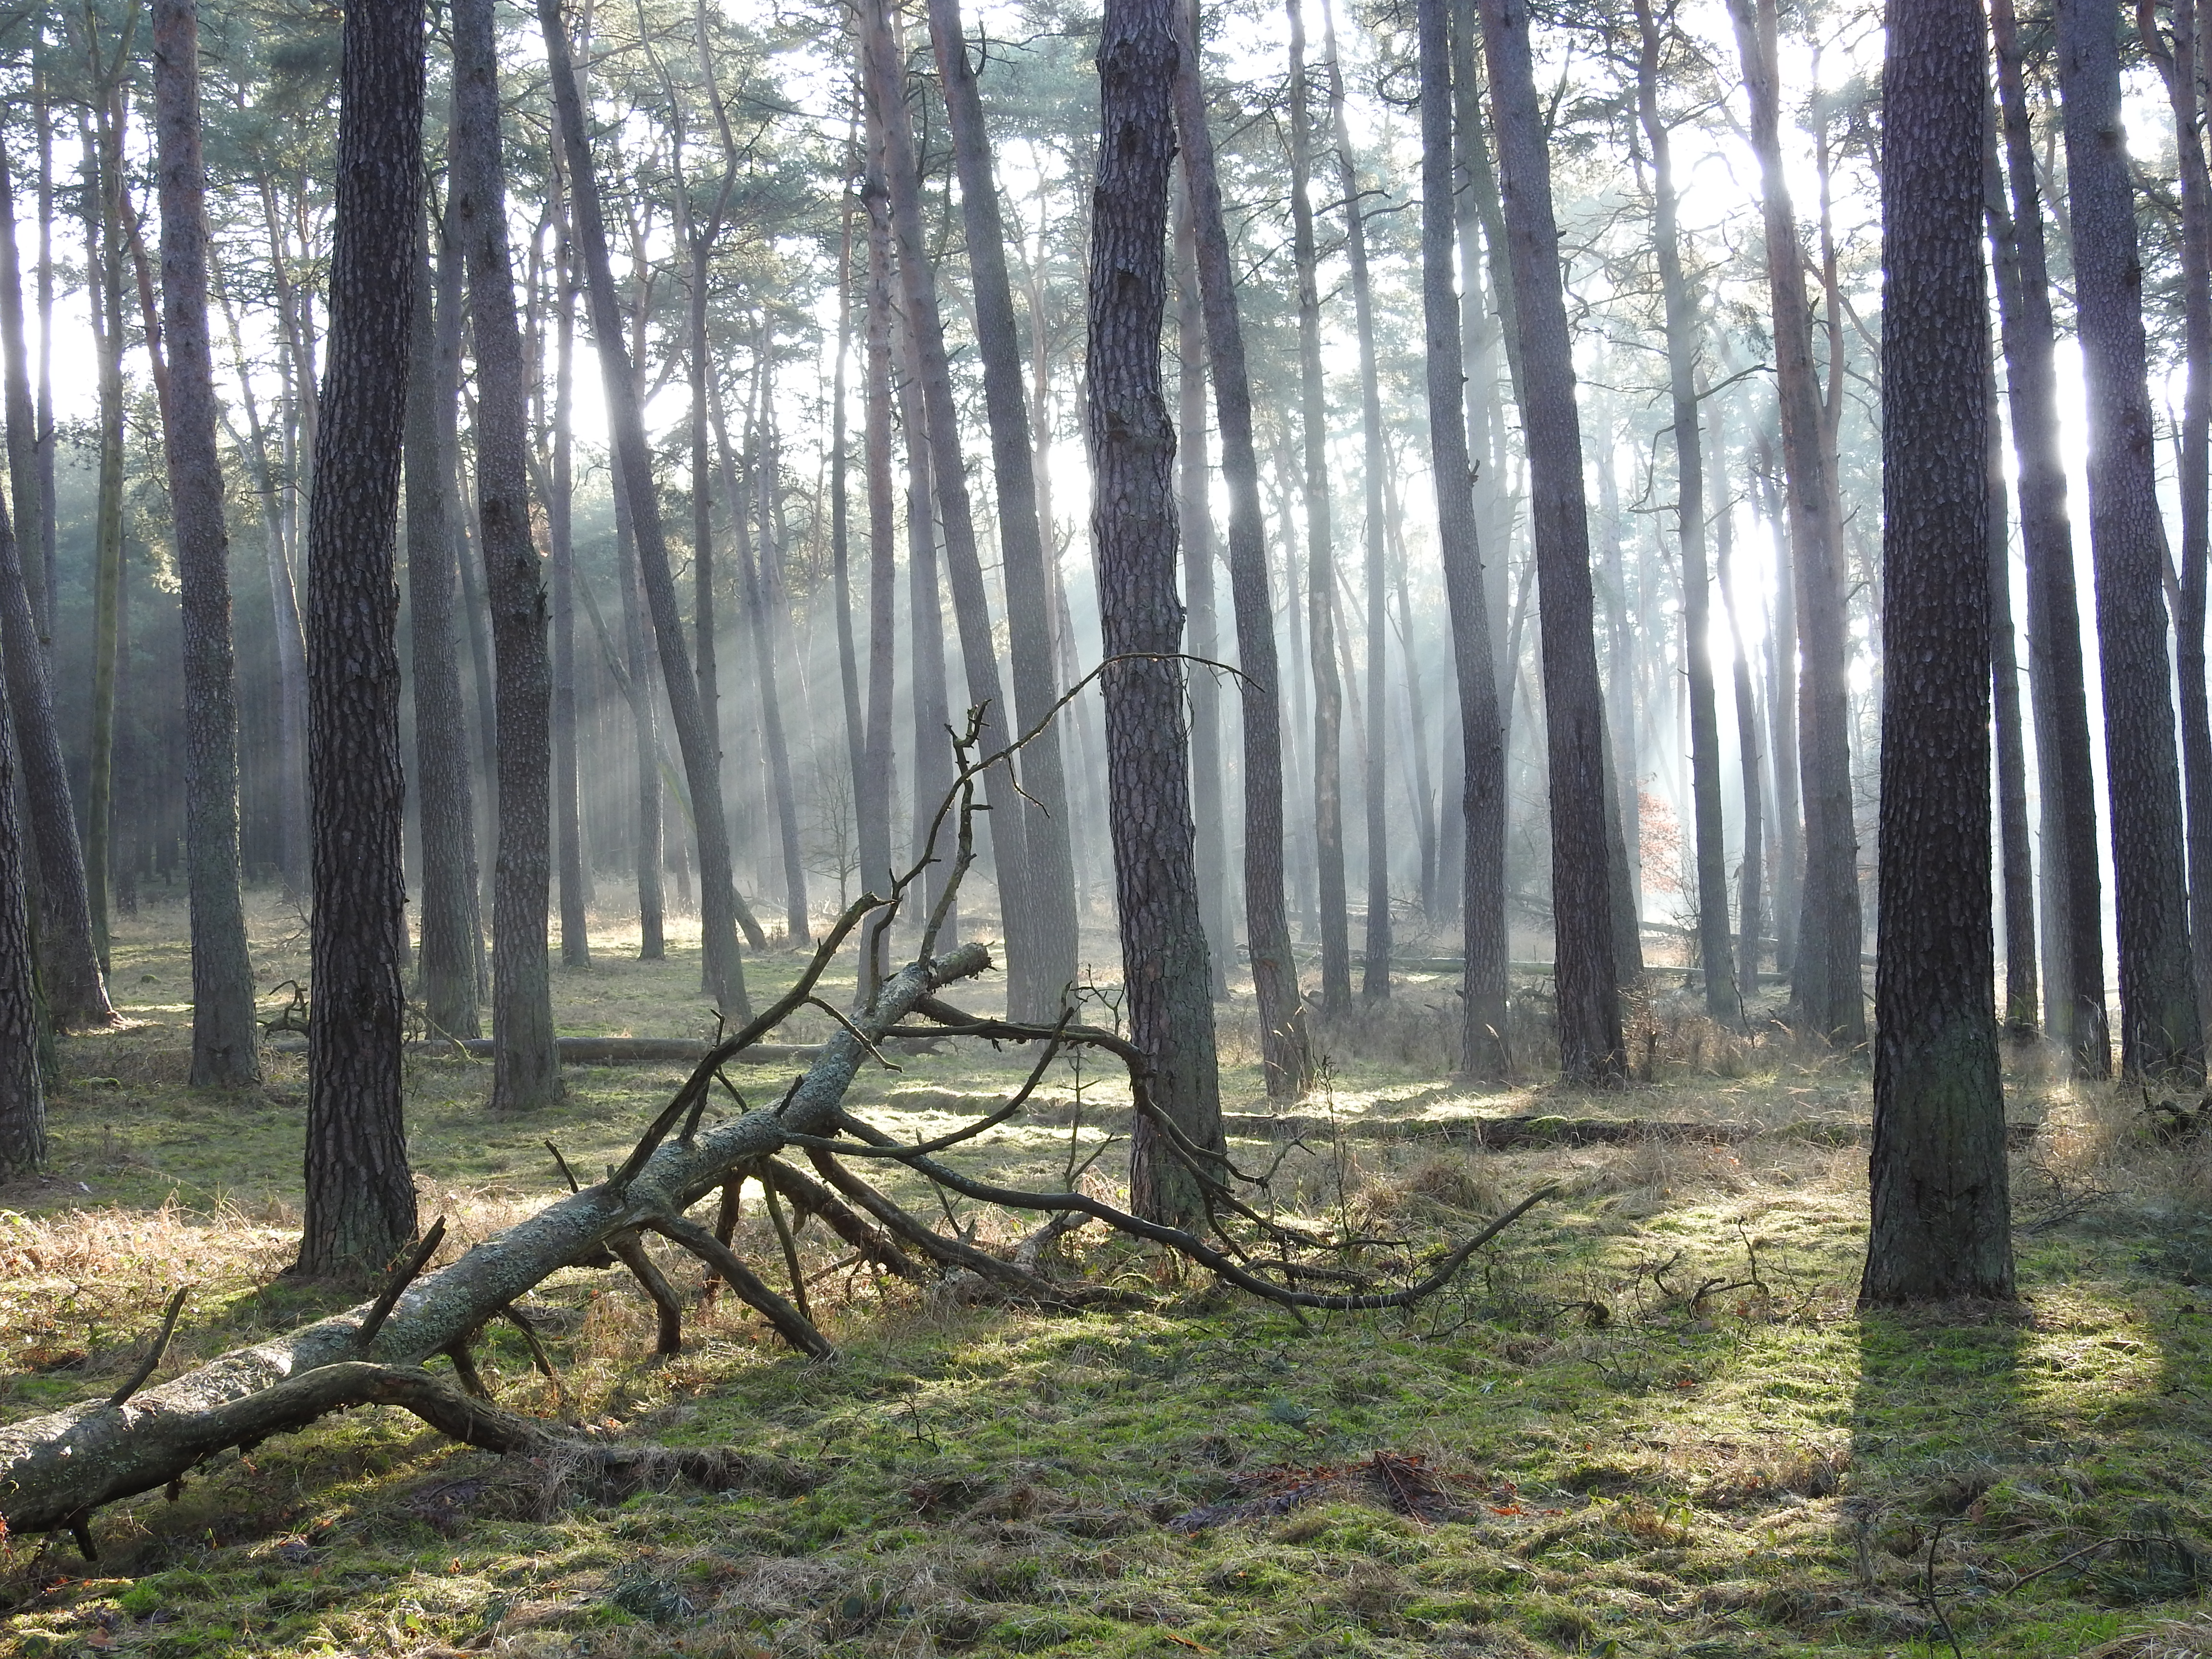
(68, 964)
(226, 1041)
(1940, 1227)
(526, 1066)
(2073, 948)
(1132, 446)
(359, 1196)
(2183, 69)
(1828, 987)
(1588, 1005)
(699, 746)
(1374, 977)
(450, 941)
(1285, 1056)
(1482, 1052)
(22, 1091)
(1042, 984)
(1320, 557)
(883, 74)
(2160, 1032)
(1721, 1001)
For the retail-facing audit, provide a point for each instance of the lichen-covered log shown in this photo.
(56, 1469)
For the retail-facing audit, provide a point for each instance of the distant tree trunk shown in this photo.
(1195, 520)
(700, 746)
(1321, 556)
(446, 905)
(526, 1062)
(1941, 1226)
(23, 481)
(1721, 1002)
(22, 1092)
(104, 297)
(1375, 980)
(1044, 983)
(41, 552)
(2074, 945)
(1483, 1052)
(359, 1196)
(2160, 1031)
(871, 847)
(876, 789)
(568, 817)
(882, 74)
(1574, 709)
(2183, 67)
(1829, 990)
(2015, 857)
(226, 1041)
(1284, 1057)
(1788, 833)
(645, 729)
(481, 662)
(68, 964)
(933, 769)
(1423, 787)
(1132, 531)
(1750, 899)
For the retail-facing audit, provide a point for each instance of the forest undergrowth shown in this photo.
(1648, 1420)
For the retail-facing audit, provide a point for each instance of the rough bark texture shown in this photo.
(22, 1094)
(1483, 1051)
(24, 485)
(1574, 709)
(1828, 989)
(1681, 314)
(1283, 1052)
(1941, 1226)
(2160, 1032)
(883, 69)
(1045, 981)
(526, 1070)
(1133, 528)
(445, 906)
(699, 746)
(360, 1197)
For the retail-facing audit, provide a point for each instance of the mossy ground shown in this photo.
(1626, 1466)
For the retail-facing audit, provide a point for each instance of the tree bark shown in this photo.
(527, 1067)
(1829, 990)
(359, 1196)
(883, 73)
(567, 815)
(22, 1091)
(934, 769)
(1941, 1226)
(24, 484)
(1285, 1056)
(226, 1041)
(1721, 1001)
(1750, 899)
(1483, 1052)
(451, 942)
(2160, 1031)
(1041, 985)
(2016, 859)
(2074, 946)
(1134, 534)
(1574, 710)
(103, 203)
(875, 790)
(700, 750)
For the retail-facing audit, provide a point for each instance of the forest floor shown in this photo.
(1575, 1451)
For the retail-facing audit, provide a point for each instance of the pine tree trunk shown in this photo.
(446, 904)
(2016, 859)
(1484, 1053)
(575, 864)
(698, 744)
(226, 1041)
(2183, 68)
(2160, 1031)
(1195, 522)
(876, 789)
(1044, 983)
(1828, 988)
(1574, 709)
(41, 553)
(1721, 1001)
(1321, 556)
(1131, 447)
(23, 479)
(22, 1091)
(647, 845)
(871, 838)
(1751, 919)
(104, 291)
(1940, 1227)
(882, 74)
(933, 769)
(1284, 1057)
(526, 1062)
(359, 1196)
